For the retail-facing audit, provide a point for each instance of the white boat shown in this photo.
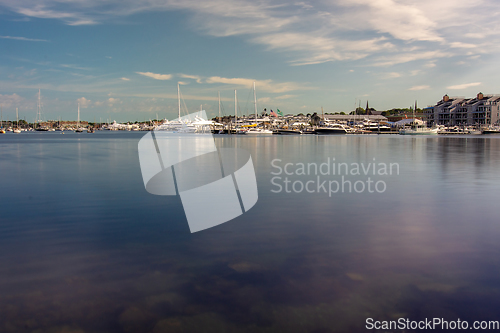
(418, 130)
(192, 123)
(418, 127)
(334, 129)
(259, 131)
(375, 126)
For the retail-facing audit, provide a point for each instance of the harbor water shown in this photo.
(346, 228)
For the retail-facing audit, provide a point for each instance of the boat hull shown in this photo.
(412, 132)
(330, 131)
(287, 132)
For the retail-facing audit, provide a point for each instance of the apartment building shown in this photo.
(452, 111)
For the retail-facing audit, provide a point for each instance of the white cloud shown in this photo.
(156, 76)
(412, 56)
(10, 101)
(319, 49)
(75, 67)
(404, 21)
(391, 75)
(125, 79)
(112, 101)
(261, 85)
(285, 96)
(313, 32)
(264, 100)
(83, 102)
(24, 39)
(423, 87)
(464, 86)
(463, 45)
(194, 77)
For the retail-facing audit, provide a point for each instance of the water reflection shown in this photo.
(84, 248)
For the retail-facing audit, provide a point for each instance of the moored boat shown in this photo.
(335, 129)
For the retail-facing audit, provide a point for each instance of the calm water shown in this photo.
(84, 248)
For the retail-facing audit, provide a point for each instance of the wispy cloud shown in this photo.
(422, 87)
(313, 32)
(261, 85)
(193, 77)
(125, 79)
(411, 56)
(464, 86)
(391, 75)
(26, 39)
(286, 96)
(156, 76)
(75, 67)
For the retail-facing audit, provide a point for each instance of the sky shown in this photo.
(122, 59)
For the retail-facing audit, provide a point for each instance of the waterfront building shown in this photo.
(461, 111)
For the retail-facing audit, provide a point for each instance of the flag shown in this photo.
(279, 112)
(273, 113)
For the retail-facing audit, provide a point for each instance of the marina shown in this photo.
(267, 124)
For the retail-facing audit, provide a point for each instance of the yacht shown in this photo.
(334, 129)
(255, 130)
(418, 129)
(491, 130)
(375, 127)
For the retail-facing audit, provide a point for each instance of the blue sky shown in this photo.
(122, 59)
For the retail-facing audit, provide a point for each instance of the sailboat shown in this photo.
(39, 115)
(78, 128)
(17, 130)
(176, 125)
(192, 123)
(418, 127)
(255, 130)
(2, 131)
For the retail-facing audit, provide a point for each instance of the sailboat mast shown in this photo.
(219, 103)
(255, 102)
(414, 112)
(179, 99)
(38, 109)
(235, 107)
(78, 119)
(17, 118)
